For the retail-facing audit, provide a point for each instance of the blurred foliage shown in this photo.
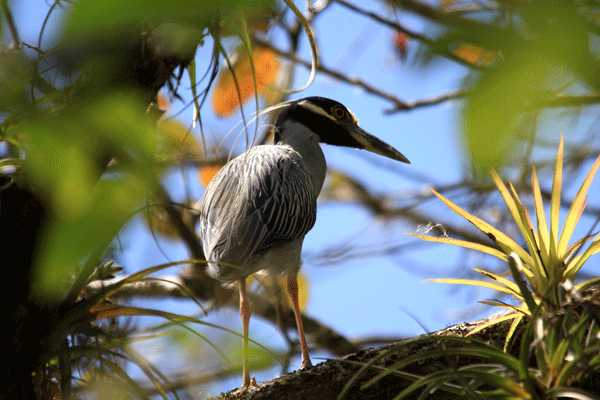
(82, 141)
(545, 48)
(61, 160)
(522, 54)
(237, 82)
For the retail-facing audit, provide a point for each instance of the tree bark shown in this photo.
(328, 379)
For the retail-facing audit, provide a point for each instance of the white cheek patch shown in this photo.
(353, 117)
(316, 109)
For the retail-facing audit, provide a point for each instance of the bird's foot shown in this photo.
(306, 364)
(248, 382)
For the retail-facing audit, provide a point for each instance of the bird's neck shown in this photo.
(306, 143)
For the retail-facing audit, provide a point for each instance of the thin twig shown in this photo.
(458, 94)
(399, 105)
(481, 33)
(563, 100)
(11, 24)
(422, 38)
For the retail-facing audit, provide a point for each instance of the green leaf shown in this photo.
(512, 330)
(504, 242)
(522, 220)
(575, 265)
(539, 276)
(555, 200)
(441, 379)
(121, 373)
(516, 266)
(95, 21)
(191, 69)
(498, 278)
(473, 282)
(86, 210)
(496, 320)
(463, 243)
(540, 216)
(576, 209)
(469, 347)
(490, 112)
(104, 311)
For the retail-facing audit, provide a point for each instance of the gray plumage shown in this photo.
(257, 202)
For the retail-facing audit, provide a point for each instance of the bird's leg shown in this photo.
(245, 314)
(292, 287)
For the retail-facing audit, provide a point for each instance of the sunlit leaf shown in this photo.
(575, 247)
(256, 17)
(463, 243)
(158, 221)
(494, 321)
(314, 54)
(513, 328)
(476, 55)
(225, 97)
(516, 209)
(536, 272)
(179, 142)
(575, 265)
(208, 172)
(104, 311)
(505, 243)
(576, 209)
(92, 20)
(516, 268)
(472, 282)
(540, 216)
(191, 69)
(511, 285)
(555, 199)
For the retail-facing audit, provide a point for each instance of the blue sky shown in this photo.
(366, 296)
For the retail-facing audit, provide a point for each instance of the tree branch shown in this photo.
(399, 105)
(11, 24)
(563, 100)
(480, 33)
(326, 380)
(422, 38)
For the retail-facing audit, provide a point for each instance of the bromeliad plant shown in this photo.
(559, 350)
(548, 262)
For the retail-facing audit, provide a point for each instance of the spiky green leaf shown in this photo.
(504, 242)
(576, 209)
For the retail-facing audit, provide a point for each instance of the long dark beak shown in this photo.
(374, 145)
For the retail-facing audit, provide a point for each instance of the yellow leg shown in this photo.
(292, 287)
(245, 314)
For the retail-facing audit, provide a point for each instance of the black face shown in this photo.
(331, 130)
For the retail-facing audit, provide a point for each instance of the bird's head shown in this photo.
(333, 124)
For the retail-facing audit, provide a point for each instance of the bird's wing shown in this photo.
(257, 201)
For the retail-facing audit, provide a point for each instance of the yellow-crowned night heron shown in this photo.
(257, 209)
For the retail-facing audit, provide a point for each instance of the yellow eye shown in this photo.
(338, 112)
